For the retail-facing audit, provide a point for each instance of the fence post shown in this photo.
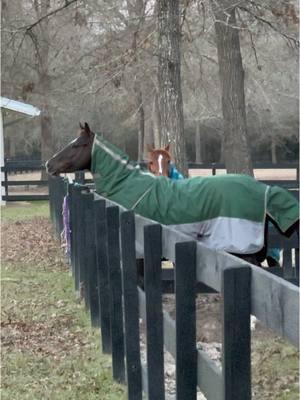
(6, 183)
(60, 198)
(90, 259)
(236, 357)
(131, 307)
(186, 351)
(82, 283)
(213, 166)
(77, 235)
(154, 318)
(103, 274)
(287, 267)
(79, 177)
(116, 309)
(50, 191)
(72, 221)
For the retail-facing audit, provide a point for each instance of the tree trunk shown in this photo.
(156, 122)
(148, 137)
(46, 134)
(136, 11)
(141, 123)
(273, 151)
(236, 149)
(42, 54)
(11, 147)
(169, 81)
(46, 119)
(198, 143)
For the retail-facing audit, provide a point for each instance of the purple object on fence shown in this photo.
(66, 233)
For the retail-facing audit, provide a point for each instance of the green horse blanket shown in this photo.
(224, 212)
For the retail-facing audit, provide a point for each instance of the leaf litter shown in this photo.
(31, 241)
(48, 347)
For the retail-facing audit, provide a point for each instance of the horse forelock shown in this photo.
(157, 152)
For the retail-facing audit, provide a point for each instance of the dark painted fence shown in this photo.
(109, 242)
(26, 165)
(20, 166)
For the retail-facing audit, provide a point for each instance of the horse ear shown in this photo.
(167, 148)
(87, 128)
(149, 148)
(81, 126)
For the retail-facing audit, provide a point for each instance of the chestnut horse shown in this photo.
(160, 163)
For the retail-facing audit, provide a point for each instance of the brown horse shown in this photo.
(159, 161)
(76, 156)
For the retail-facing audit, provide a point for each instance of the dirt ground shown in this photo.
(209, 319)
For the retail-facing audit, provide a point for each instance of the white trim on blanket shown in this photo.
(120, 159)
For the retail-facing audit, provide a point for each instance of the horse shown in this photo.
(223, 212)
(160, 164)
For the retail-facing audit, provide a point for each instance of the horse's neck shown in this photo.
(115, 178)
(107, 159)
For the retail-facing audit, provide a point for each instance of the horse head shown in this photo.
(159, 161)
(75, 156)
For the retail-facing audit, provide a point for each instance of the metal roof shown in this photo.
(19, 106)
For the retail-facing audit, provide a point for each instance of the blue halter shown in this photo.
(173, 173)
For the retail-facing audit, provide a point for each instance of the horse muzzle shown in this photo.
(50, 169)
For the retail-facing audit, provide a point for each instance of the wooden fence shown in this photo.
(20, 166)
(109, 243)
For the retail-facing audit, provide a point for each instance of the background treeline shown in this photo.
(96, 61)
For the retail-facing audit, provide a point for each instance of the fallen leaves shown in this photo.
(31, 241)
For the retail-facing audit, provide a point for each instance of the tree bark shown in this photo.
(156, 122)
(198, 143)
(42, 51)
(136, 12)
(236, 149)
(169, 81)
(46, 134)
(273, 151)
(141, 123)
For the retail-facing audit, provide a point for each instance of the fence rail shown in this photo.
(25, 165)
(20, 166)
(107, 244)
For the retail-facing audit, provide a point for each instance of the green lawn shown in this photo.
(24, 210)
(49, 350)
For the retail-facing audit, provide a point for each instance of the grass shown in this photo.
(49, 350)
(24, 210)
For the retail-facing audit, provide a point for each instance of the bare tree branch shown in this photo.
(27, 28)
(265, 21)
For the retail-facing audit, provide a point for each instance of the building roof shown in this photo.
(19, 106)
